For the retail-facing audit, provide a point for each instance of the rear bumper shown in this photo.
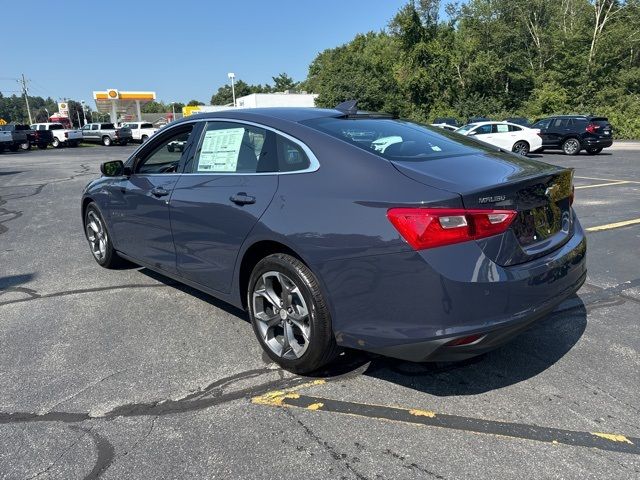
(409, 305)
(597, 142)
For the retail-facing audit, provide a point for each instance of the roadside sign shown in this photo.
(3, 121)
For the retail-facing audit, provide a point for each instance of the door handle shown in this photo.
(241, 198)
(159, 192)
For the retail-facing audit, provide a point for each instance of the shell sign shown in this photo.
(112, 93)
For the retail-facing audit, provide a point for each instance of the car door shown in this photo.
(139, 203)
(224, 190)
(86, 131)
(483, 132)
(501, 136)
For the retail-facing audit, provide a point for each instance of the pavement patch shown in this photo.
(601, 441)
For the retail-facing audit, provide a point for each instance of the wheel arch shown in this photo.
(252, 255)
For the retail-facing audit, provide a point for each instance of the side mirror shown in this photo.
(114, 168)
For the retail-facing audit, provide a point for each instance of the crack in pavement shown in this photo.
(339, 457)
(33, 295)
(14, 214)
(212, 395)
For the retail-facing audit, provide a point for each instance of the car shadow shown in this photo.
(205, 297)
(526, 356)
(13, 281)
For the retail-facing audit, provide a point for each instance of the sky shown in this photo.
(181, 49)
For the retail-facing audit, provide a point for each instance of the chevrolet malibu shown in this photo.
(336, 228)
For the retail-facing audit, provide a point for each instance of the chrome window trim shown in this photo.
(145, 145)
(314, 164)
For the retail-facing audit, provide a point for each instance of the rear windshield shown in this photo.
(396, 140)
(602, 121)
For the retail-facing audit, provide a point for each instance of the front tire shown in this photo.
(56, 143)
(571, 146)
(106, 141)
(521, 148)
(289, 314)
(97, 235)
(26, 146)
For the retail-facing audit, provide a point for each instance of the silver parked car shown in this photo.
(106, 133)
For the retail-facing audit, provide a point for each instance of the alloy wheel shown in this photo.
(97, 235)
(282, 315)
(571, 146)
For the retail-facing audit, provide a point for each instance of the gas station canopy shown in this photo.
(119, 104)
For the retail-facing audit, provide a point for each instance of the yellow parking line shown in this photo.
(607, 179)
(611, 226)
(621, 182)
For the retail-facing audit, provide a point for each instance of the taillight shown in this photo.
(573, 195)
(434, 227)
(592, 127)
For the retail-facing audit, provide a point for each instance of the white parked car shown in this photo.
(141, 131)
(61, 136)
(508, 136)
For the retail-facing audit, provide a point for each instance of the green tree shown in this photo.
(283, 82)
(194, 103)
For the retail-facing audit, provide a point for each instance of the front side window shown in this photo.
(164, 155)
(544, 123)
(483, 129)
(227, 147)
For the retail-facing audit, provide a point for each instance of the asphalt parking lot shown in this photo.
(126, 374)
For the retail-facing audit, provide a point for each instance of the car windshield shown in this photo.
(396, 140)
(466, 128)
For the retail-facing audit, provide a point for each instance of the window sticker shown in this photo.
(220, 150)
(503, 128)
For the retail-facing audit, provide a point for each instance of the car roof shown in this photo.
(292, 114)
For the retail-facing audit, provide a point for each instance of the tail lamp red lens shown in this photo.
(435, 227)
(592, 127)
(458, 342)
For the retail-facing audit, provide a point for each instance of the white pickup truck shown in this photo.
(61, 136)
(141, 131)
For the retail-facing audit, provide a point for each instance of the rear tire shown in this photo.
(145, 138)
(521, 148)
(26, 146)
(571, 146)
(106, 141)
(594, 151)
(97, 235)
(56, 143)
(282, 286)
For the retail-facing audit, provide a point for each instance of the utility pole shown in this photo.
(23, 82)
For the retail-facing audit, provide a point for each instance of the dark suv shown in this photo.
(572, 133)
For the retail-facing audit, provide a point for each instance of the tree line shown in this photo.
(496, 58)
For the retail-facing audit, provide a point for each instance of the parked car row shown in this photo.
(14, 137)
(569, 133)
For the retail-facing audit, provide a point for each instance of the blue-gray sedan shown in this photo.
(337, 228)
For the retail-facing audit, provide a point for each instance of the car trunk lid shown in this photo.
(540, 193)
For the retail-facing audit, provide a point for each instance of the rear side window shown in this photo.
(108, 126)
(227, 147)
(291, 156)
(396, 140)
(500, 128)
(513, 128)
(146, 125)
(56, 126)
